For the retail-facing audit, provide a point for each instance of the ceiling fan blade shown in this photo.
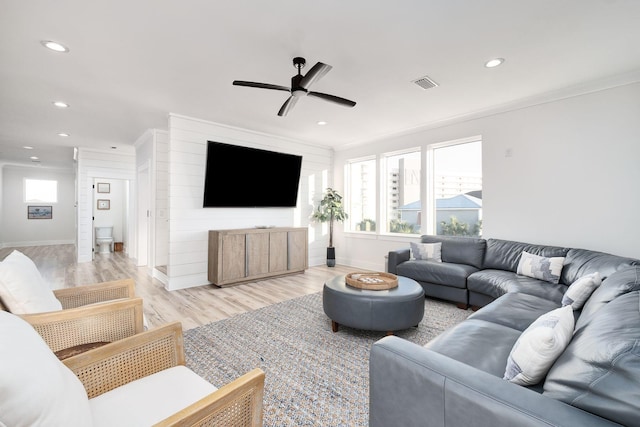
(287, 106)
(314, 74)
(259, 85)
(331, 98)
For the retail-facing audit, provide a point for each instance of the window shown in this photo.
(40, 191)
(362, 195)
(457, 188)
(401, 185)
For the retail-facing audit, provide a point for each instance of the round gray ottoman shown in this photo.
(388, 310)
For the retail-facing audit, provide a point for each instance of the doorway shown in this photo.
(111, 209)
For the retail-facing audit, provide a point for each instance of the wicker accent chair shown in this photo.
(74, 330)
(91, 315)
(94, 293)
(139, 380)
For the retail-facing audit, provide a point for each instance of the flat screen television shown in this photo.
(244, 177)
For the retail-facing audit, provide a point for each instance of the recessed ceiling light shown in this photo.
(54, 46)
(61, 104)
(322, 123)
(26, 147)
(494, 62)
(63, 134)
(34, 157)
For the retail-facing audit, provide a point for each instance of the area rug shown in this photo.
(313, 376)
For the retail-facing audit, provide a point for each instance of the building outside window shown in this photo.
(401, 184)
(362, 195)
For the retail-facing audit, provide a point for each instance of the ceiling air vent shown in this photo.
(425, 82)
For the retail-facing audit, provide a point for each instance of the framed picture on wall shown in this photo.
(39, 212)
(104, 204)
(104, 187)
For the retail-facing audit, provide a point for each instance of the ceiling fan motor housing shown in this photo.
(296, 89)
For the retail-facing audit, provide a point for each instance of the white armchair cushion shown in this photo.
(22, 288)
(36, 389)
(149, 400)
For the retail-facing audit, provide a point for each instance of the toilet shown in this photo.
(104, 239)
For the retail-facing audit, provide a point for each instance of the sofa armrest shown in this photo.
(397, 257)
(413, 386)
(97, 292)
(104, 322)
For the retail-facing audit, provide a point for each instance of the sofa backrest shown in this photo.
(460, 250)
(505, 254)
(617, 284)
(580, 262)
(599, 371)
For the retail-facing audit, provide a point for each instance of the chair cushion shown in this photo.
(149, 400)
(22, 289)
(35, 387)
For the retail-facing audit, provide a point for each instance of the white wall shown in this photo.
(189, 222)
(17, 230)
(105, 164)
(571, 179)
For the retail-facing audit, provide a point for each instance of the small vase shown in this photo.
(331, 257)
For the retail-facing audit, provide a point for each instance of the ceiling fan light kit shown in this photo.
(300, 86)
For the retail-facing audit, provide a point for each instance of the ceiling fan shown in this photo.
(300, 86)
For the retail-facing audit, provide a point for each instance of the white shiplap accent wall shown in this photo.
(114, 164)
(189, 222)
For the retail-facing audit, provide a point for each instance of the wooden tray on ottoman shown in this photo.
(372, 281)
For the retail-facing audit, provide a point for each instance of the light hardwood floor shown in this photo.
(193, 306)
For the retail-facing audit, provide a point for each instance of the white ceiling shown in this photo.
(133, 62)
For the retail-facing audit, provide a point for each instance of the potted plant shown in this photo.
(330, 209)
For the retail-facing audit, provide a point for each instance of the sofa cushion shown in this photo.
(539, 346)
(151, 399)
(619, 283)
(580, 262)
(22, 288)
(505, 254)
(441, 273)
(515, 310)
(460, 250)
(580, 290)
(540, 267)
(426, 251)
(599, 371)
(478, 343)
(36, 389)
(496, 283)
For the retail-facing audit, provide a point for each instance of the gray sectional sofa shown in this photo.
(457, 378)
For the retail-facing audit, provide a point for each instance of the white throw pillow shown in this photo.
(21, 286)
(580, 290)
(539, 346)
(539, 267)
(36, 389)
(431, 251)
